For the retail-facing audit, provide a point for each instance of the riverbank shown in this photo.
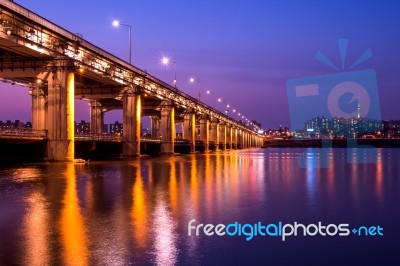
(335, 143)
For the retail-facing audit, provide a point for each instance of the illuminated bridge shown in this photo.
(59, 67)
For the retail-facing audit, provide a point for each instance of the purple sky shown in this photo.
(242, 51)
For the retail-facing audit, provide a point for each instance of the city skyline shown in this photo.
(242, 53)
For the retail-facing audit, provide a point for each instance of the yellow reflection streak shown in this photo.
(194, 187)
(36, 229)
(379, 180)
(173, 186)
(73, 231)
(139, 211)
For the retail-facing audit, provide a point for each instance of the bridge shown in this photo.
(58, 67)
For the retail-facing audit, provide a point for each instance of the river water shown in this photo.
(136, 212)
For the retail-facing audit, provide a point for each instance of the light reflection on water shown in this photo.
(136, 212)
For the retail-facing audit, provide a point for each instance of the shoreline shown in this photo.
(332, 143)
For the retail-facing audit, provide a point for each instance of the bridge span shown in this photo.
(59, 67)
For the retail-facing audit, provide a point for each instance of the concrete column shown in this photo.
(131, 112)
(167, 128)
(235, 138)
(248, 140)
(60, 115)
(239, 140)
(214, 133)
(39, 108)
(155, 127)
(96, 117)
(204, 132)
(223, 133)
(230, 137)
(189, 130)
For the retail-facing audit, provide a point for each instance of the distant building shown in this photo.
(82, 127)
(322, 127)
(10, 124)
(28, 125)
(116, 128)
(281, 133)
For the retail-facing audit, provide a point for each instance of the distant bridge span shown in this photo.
(60, 66)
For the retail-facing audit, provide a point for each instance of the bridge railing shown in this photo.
(100, 137)
(23, 133)
(109, 137)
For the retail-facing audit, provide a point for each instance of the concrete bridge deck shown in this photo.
(58, 67)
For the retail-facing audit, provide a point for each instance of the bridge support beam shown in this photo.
(189, 130)
(214, 133)
(96, 117)
(243, 139)
(39, 108)
(205, 132)
(234, 138)
(155, 127)
(167, 128)
(223, 136)
(132, 107)
(60, 115)
(229, 137)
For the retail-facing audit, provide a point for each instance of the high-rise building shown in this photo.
(82, 127)
(116, 128)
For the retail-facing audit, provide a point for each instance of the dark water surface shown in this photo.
(137, 212)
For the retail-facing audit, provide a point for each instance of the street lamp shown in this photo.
(165, 61)
(192, 80)
(116, 24)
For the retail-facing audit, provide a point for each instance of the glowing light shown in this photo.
(115, 23)
(165, 60)
(219, 100)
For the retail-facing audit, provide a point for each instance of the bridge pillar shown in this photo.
(235, 138)
(249, 140)
(96, 117)
(189, 130)
(60, 115)
(230, 137)
(132, 107)
(155, 127)
(239, 139)
(167, 128)
(244, 139)
(223, 136)
(205, 132)
(39, 108)
(214, 133)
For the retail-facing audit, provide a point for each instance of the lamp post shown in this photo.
(166, 61)
(116, 24)
(192, 80)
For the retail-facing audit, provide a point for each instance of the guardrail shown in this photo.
(100, 137)
(109, 137)
(22, 133)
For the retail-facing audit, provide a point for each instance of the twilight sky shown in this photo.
(242, 51)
